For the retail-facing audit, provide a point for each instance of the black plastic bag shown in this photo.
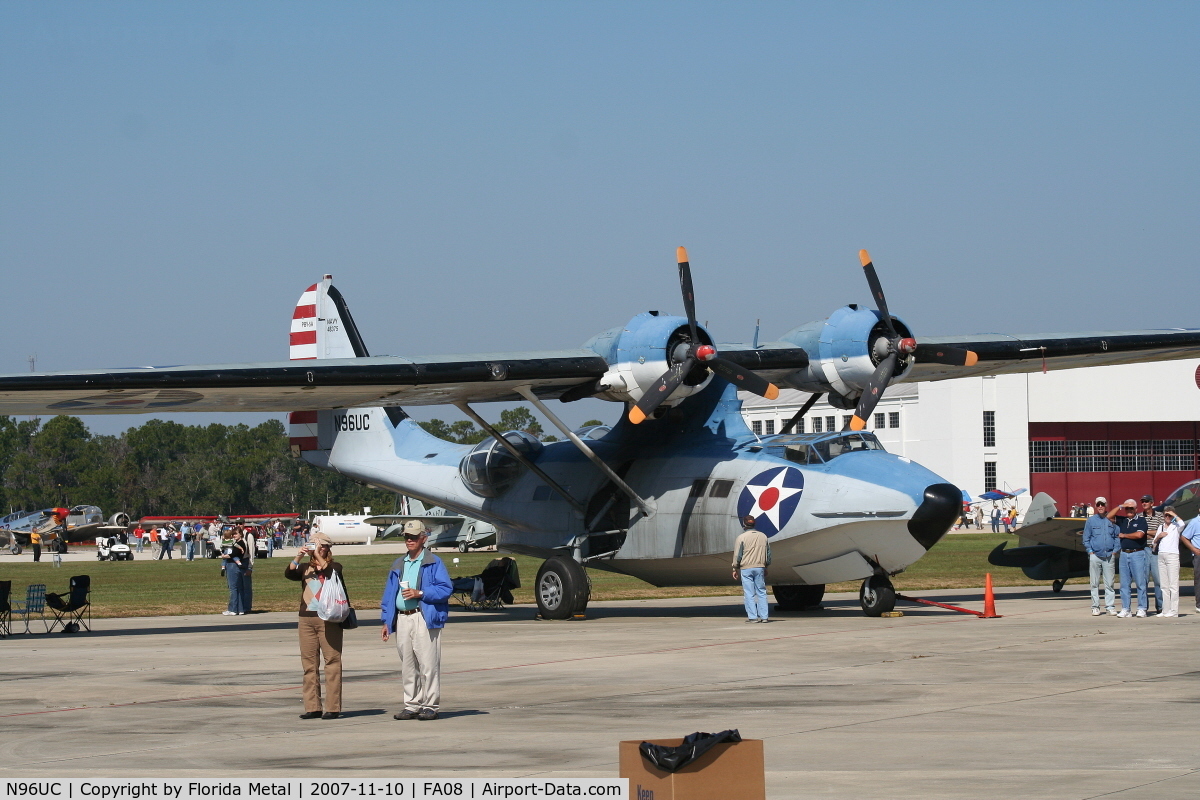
(694, 745)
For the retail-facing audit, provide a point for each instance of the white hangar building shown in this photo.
(1118, 431)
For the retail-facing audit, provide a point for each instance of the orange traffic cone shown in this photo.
(989, 600)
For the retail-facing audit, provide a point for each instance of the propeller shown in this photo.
(698, 354)
(897, 347)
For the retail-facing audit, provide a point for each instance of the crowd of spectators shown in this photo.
(1144, 544)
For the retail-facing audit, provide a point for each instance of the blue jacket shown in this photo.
(1100, 536)
(432, 580)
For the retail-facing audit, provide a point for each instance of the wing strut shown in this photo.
(647, 507)
(517, 454)
(799, 415)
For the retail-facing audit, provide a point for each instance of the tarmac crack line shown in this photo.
(1183, 774)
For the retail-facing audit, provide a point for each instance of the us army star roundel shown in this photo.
(771, 498)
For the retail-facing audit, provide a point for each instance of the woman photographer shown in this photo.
(318, 638)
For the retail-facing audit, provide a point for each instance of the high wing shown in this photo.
(436, 519)
(473, 378)
(1001, 354)
(300, 386)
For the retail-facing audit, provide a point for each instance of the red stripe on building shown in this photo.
(304, 312)
(304, 337)
(302, 417)
(304, 442)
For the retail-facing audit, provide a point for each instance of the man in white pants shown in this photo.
(415, 606)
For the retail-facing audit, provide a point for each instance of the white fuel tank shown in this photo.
(345, 529)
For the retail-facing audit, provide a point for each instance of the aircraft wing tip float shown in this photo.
(658, 495)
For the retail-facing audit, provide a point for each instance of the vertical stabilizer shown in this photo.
(321, 328)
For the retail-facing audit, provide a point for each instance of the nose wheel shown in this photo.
(877, 596)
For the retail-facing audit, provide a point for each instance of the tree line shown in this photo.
(163, 468)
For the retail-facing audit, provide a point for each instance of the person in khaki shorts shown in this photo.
(317, 637)
(751, 557)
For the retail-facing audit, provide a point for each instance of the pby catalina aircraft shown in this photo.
(659, 495)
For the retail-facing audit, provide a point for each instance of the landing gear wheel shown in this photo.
(16, 549)
(1058, 585)
(798, 598)
(463, 547)
(561, 588)
(877, 596)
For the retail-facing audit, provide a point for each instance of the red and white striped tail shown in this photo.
(304, 325)
(321, 328)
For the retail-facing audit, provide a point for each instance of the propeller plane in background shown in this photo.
(659, 495)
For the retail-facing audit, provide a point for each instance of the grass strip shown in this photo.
(162, 588)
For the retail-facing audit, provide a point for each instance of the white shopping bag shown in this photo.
(332, 605)
(477, 593)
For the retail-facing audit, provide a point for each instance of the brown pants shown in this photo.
(320, 638)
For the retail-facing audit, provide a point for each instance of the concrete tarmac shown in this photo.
(1048, 702)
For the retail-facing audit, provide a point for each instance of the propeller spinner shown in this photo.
(697, 354)
(897, 347)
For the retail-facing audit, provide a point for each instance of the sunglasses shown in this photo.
(412, 537)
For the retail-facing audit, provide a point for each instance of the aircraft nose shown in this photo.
(935, 515)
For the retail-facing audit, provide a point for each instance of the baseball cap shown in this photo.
(1147, 498)
(1100, 500)
(321, 538)
(414, 528)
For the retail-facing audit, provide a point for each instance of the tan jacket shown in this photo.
(751, 550)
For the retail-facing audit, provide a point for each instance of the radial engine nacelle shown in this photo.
(843, 352)
(640, 351)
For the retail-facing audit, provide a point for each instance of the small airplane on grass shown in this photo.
(659, 496)
(447, 528)
(83, 524)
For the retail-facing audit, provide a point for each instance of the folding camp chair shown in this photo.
(35, 603)
(5, 608)
(70, 609)
(497, 580)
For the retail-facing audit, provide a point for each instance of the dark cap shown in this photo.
(1147, 498)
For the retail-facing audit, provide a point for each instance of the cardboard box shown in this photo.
(730, 771)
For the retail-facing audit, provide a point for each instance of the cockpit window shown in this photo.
(1184, 494)
(820, 448)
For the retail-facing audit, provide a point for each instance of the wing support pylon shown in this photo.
(517, 454)
(647, 507)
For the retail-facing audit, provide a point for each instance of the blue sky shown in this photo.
(499, 176)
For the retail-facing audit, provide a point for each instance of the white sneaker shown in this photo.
(1112, 612)
(227, 613)
(1096, 612)
(1124, 613)
(1141, 612)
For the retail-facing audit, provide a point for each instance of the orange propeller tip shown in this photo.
(636, 416)
(857, 423)
(864, 257)
(972, 358)
(772, 391)
(681, 254)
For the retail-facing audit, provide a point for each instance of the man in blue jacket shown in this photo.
(415, 606)
(1101, 542)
